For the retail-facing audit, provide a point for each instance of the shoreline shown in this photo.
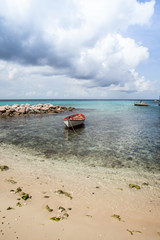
(95, 208)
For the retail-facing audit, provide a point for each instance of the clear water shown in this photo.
(116, 134)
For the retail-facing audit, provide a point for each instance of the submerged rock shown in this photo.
(71, 109)
(6, 114)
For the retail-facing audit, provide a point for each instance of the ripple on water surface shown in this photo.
(117, 135)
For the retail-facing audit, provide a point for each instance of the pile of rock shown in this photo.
(22, 109)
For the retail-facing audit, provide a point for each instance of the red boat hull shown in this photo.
(74, 120)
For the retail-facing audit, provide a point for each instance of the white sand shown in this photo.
(94, 201)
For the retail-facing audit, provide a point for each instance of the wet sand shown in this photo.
(85, 206)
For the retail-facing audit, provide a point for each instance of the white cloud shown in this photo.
(12, 73)
(110, 62)
(30, 94)
(74, 39)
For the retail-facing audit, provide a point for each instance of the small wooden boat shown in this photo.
(141, 104)
(74, 120)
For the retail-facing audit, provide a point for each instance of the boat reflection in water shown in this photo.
(72, 133)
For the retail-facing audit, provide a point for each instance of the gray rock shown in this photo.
(28, 109)
(11, 110)
(2, 109)
(5, 114)
(7, 107)
(15, 106)
(16, 109)
(39, 105)
(71, 109)
(45, 108)
(57, 111)
(37, 111)
(22, 106)
(27, 105)
(22, 110)
(63, 107)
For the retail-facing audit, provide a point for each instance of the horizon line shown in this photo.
(71, 99)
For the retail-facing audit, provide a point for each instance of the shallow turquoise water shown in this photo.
(116, 134)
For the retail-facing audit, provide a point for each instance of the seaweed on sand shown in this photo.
(19, 204)
(145, 184)
(18, 190)
(57, 219)
(64, 193)
(10, 208)
(61, 209)
(12, 181)
(25, 196)
(131, 232)
(89, 216)
(134, 186)
(4, 167)
(48, 208)
(120, 189)
(116, 217)
(63, 215)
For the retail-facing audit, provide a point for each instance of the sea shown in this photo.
(116, 134)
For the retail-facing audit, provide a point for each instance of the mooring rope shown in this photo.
(72, 127)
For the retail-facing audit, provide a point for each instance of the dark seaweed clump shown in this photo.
(4, 167)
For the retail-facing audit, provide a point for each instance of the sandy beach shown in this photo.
(80, 120)
(65, 203)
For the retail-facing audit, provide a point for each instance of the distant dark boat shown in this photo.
(141, 104)
(74, 120)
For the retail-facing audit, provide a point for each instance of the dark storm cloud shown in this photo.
(27, 46)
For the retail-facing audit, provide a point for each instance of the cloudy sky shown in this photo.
(79, 49)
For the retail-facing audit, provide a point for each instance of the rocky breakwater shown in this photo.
(27, 109)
